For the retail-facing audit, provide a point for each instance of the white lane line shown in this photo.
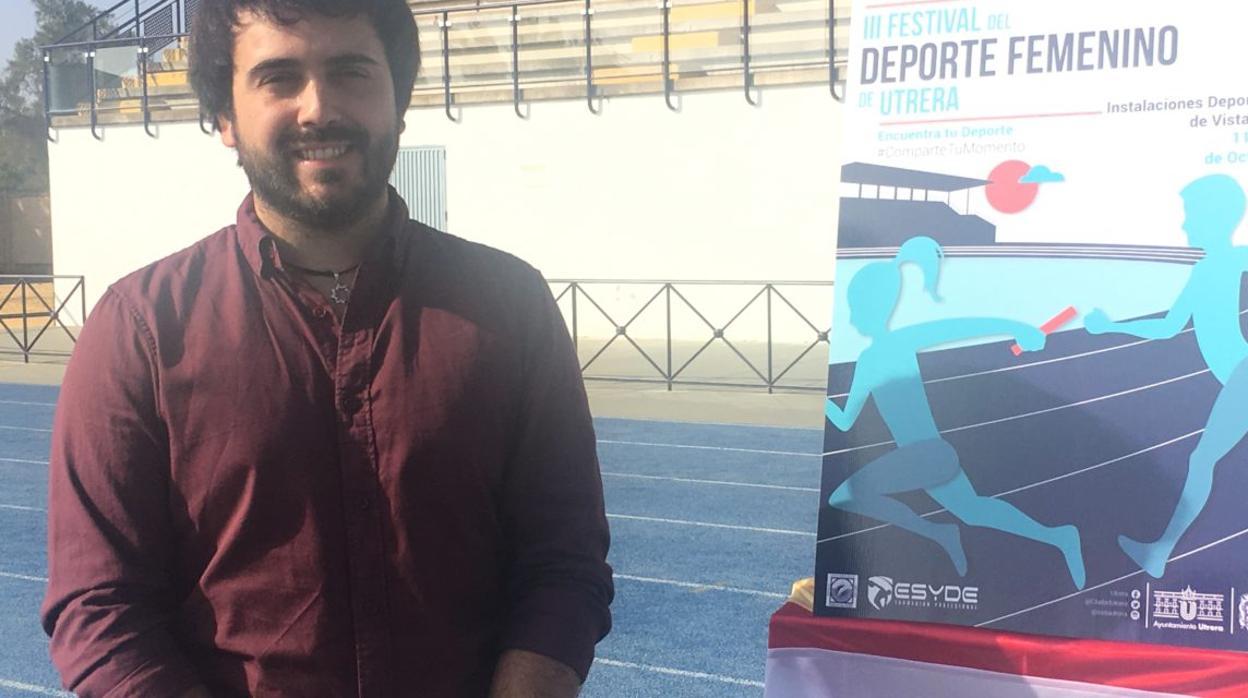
(21, 508)
(709, 448)
(679, 672)
(701, 587)
(23, 577)
(23, 460)
(1111, 461)
(41, 431)
(1112, 581)
(696, 481)
(27, 404)
(1032, 364)
(734, 425)
(1036, 412)
(31, 688)
(682, 522)
(1039, 483)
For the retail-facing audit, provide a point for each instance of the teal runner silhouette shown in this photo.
(1213, 208)
(888, 372)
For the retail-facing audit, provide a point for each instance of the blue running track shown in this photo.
(710, 525)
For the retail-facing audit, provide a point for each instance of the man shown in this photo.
(326, 451)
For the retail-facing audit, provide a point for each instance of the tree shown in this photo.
(23, 139)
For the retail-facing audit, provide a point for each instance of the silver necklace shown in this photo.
(340, 294)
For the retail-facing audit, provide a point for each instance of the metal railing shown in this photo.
(24, 308)
(579, 298)
(517, 51)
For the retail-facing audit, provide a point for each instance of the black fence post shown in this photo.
(670, 377)
(94, 94)
(833, 76)
(771, 381)
(446, 64)
(25, 325)
(746, 72)
(589, 57)
(576, 344)
(515, 60)
(666, 6)
(47, 92)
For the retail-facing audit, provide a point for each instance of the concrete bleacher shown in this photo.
(788, 41)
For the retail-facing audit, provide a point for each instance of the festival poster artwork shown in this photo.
(1038, 374)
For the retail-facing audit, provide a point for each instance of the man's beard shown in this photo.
(272, 176)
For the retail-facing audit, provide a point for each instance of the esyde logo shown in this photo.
(879, 592)
(885, 591)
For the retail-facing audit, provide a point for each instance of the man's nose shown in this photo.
(317, 105)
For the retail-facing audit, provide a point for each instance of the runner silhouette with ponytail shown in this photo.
(888, 372)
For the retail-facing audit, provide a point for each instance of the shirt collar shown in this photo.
(259, 245)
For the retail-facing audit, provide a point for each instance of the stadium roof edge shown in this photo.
(867, 173)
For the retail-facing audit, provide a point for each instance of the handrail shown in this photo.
(121, 41)
(137, 20)
(91, 22)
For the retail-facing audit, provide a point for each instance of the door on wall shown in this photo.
(420, 178)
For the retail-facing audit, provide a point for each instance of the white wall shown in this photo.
(125, 201)
(721, 190)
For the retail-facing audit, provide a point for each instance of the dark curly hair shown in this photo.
(212, 43)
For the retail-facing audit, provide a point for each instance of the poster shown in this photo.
(1038, 377)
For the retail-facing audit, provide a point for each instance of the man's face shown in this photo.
(314, 118)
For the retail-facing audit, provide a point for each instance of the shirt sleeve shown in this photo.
(109, 597)
(560, 586)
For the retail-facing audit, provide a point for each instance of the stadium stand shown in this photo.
(130, 63)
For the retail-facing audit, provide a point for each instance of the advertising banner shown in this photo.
(1038, 375)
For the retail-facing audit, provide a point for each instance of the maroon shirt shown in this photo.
(248, 494)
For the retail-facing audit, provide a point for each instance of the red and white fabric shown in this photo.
(811, 657)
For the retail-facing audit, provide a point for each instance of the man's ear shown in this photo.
(225, 125)
(402, 126)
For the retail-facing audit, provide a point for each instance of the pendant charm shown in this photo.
(340, 293)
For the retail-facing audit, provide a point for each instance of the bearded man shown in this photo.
(327, 450)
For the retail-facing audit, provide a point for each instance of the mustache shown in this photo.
(307, 138)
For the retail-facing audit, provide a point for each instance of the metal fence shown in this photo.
(666, 327)
(30, 306)
(676, 320)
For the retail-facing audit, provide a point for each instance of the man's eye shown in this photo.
(352, 73)
(277, 79)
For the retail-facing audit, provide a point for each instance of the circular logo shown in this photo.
(1135, 615)
(1135, 593)
(842, 590)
